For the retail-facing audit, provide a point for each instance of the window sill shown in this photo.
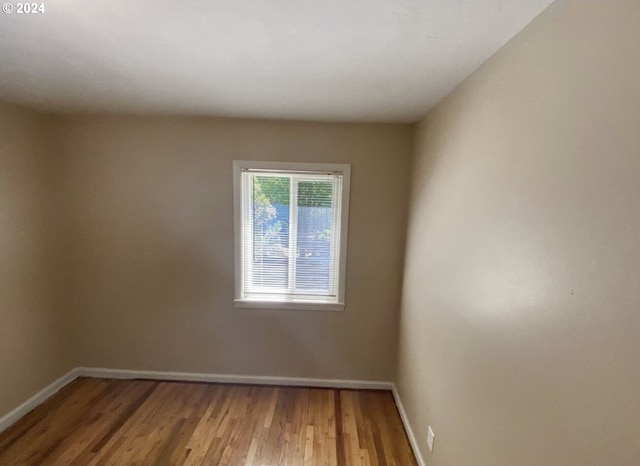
(298, 305)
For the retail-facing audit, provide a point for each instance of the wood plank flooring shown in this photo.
(105, 421)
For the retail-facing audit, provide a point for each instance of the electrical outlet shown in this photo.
(430, 437)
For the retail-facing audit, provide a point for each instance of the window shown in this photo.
(291, 234)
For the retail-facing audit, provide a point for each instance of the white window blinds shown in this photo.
(290, 236)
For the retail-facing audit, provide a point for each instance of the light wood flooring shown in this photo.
(105, 421)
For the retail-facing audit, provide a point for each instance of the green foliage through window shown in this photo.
(315, 193)
(275, 190)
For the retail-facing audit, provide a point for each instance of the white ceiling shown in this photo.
(343, 60)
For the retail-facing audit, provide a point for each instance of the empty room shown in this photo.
(339, 232)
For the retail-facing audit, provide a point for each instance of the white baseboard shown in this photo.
(36, 400)
(407, 427)
(230, 378)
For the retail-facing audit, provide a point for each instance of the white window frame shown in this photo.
(311, 168)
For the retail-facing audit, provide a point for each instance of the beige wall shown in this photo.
(519, 335)
(33, 334)
(153, 246)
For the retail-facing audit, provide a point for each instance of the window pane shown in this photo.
(270, 260)
(315, 213)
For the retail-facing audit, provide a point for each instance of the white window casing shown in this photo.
(290, 224)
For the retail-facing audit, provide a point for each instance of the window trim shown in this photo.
(318, 168)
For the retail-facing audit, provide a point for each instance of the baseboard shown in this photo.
(407, 426)
(36, 400)
(231, 378)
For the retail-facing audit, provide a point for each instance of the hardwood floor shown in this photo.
(104, 421)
